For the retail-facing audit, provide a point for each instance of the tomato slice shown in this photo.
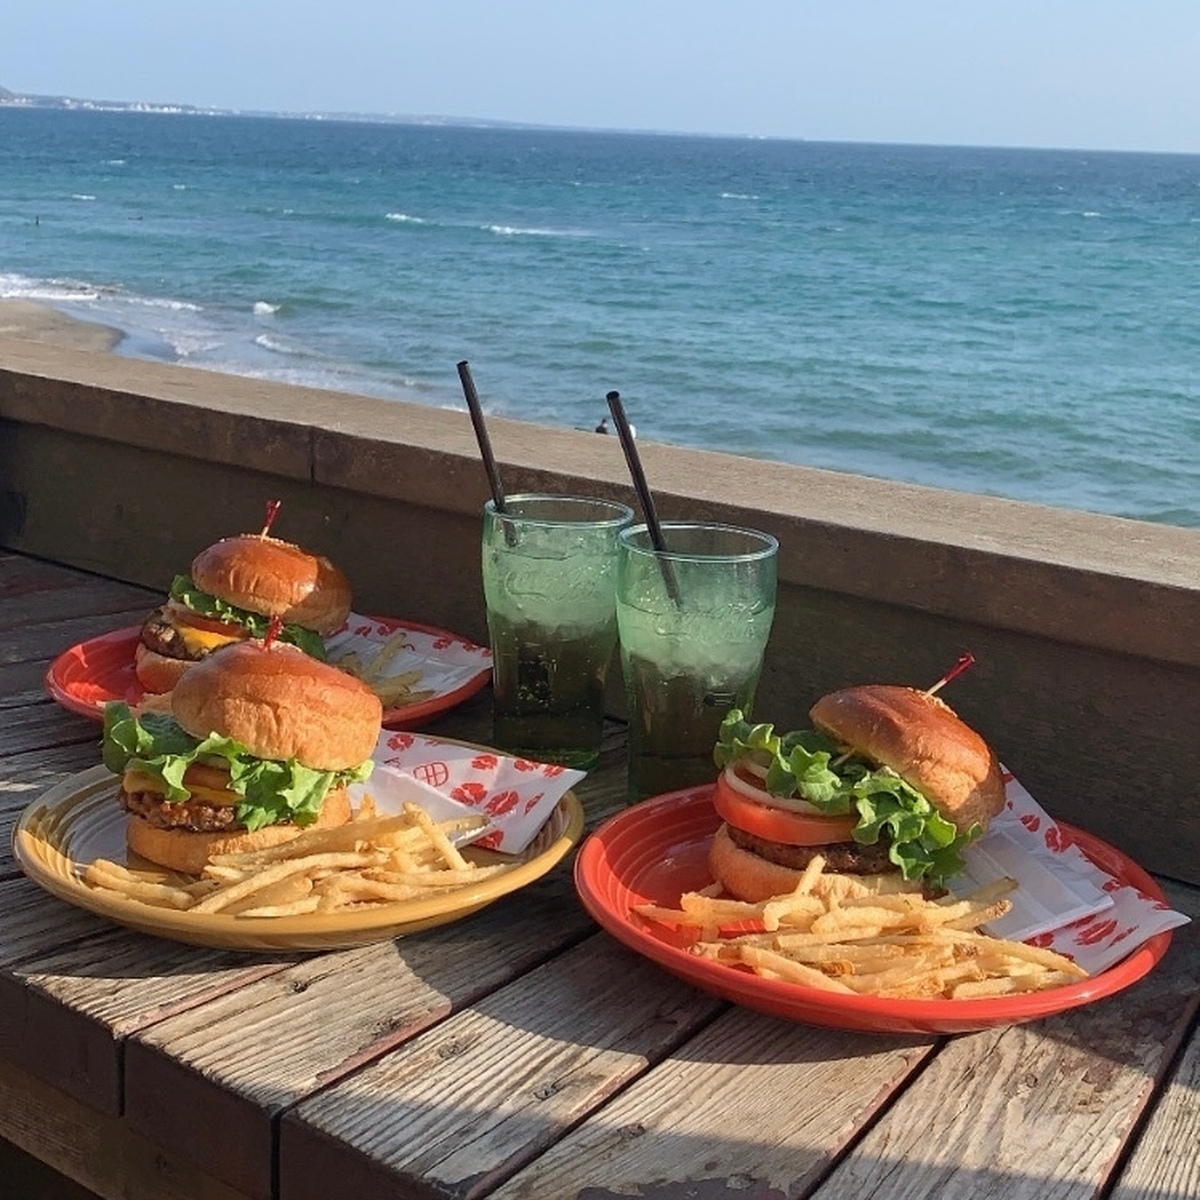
(780, 824)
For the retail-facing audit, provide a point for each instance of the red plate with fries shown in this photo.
(89, 675)
(654, 852)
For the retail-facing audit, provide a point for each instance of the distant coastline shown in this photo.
(21, 100)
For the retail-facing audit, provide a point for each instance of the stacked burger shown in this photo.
(261, 743)
(888, 780)
(235, 589)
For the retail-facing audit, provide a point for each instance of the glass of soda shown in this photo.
(694, 622)
(550, 580)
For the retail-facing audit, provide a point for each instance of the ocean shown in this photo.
(1018, 323)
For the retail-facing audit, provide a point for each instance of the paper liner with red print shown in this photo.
(515, 794)
(1064, 900)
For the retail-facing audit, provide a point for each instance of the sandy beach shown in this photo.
(40, 323)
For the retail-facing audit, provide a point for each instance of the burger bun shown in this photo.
(280, 703)
(275, 579)
(923, 740)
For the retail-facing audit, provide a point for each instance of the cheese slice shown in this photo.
(201, 788)
(204, 641)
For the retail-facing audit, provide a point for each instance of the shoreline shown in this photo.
(34, 321)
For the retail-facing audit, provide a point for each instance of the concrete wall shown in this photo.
(1084, 627)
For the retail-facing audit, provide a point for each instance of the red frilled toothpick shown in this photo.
(965, 660)
(273, 507)
(272, 632)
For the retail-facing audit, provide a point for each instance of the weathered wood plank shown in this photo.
(99, 1152)
(1166, 1160)
(484, 1093)
(83, 596)
(24, 777)
(752, 1106)
(73, 987)
(23, 683)
(242, 1058)
(46, 640)
(1034, 1112)
(44, 726)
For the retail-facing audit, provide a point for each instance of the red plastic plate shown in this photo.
(656, 850)
(89, 675)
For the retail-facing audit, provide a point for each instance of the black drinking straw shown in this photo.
(481, 434)
(634, 462)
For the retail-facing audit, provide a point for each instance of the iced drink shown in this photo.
(694, 625)
(549, 577)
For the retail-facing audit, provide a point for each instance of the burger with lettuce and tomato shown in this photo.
(260, 744)
(888, 779)
(235, 588)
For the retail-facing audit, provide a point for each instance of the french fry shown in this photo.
(787, 968)
(112, 877)
(370, 861)
(869, 938)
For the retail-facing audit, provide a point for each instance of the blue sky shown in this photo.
(1096, 74)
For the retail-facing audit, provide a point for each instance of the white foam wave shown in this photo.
(20, 287)
(519, 231)
(739, 196)
(81, 196)
(162, 302)
(114, 162)
(273, 344)
(399, 216)
(263, 309)
(179, 187)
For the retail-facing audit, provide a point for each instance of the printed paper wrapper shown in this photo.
(446, 662)
(452, 780)
(1063, 900)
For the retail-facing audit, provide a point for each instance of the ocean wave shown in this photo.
(405, 217)
(533, 231)
(162, 302)
(21, 287)
(275, 345)
(740, 196)
(263, 309)
(81, 196)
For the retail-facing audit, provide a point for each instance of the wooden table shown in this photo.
(520, 1052)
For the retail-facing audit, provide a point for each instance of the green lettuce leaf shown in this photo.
(809, 767)
(186, 592)
(271, 791)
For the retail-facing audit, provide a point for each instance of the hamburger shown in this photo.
(261, 743)
(889, 779)
(234, 590)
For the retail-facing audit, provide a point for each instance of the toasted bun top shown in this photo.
(277, 579)
(281, 704)
(923, 741)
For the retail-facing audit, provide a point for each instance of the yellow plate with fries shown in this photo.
(640, 871)
(77, 826)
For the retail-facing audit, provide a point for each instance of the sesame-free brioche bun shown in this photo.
(188, 851)
(923, 741)
(275, 578)
(280, 704)
(156, 672)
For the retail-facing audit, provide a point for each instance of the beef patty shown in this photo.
(844, 858)
(159, 635)
(191, 815)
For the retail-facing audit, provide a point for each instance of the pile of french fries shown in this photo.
(371, 861)
(395, 691)
(869, 935)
